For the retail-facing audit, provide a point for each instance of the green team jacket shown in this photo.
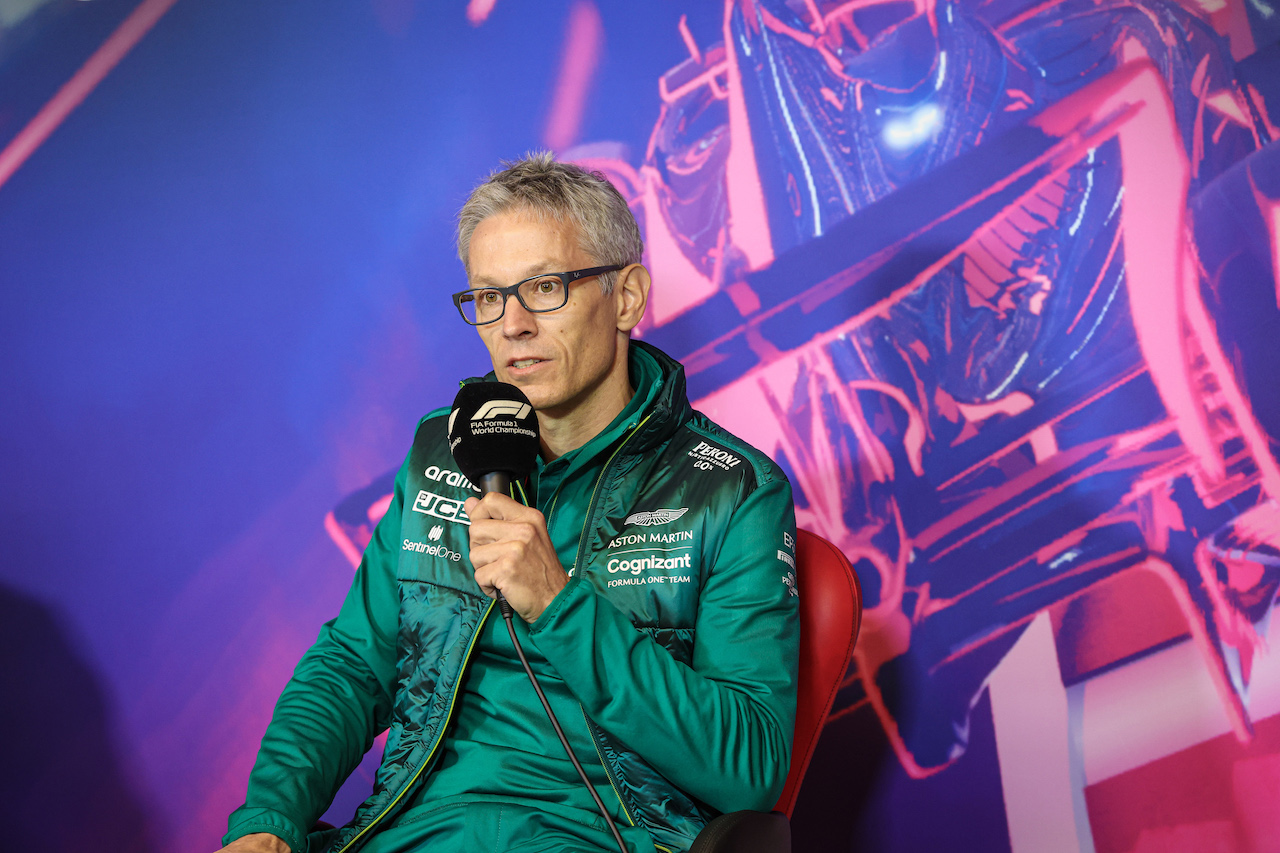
(678, 633)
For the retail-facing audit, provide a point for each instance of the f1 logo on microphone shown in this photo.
(501, 409)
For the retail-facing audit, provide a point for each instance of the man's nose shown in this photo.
(516, 319)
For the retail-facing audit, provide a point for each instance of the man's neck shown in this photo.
(561, 433)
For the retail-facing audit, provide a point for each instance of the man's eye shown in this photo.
(547, 285)
(488, 297)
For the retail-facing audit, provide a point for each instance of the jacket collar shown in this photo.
(670, 407)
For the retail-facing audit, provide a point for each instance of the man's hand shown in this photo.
(512, 551)
(256, 842)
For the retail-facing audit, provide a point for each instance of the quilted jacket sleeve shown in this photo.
(337, 701)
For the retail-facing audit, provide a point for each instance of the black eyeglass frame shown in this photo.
(566, 278)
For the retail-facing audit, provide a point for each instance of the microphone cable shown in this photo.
(493, 436)
(505, 608)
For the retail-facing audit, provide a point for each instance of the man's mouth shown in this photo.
(525, 362)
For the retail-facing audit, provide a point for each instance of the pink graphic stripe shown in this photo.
(478, 11)
(340, 538)
(749, 224)
(583, 40)
(1271, 217)
(75, 90)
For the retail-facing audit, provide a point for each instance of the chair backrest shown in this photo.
(830, 613)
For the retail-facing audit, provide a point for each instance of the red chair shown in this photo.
(830, 614)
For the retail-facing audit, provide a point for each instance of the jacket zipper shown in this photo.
(607, 773)
(595, 492)
(582, 546)
(453, 700)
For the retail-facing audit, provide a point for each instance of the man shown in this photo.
(648, 573)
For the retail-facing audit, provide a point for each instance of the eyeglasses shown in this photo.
(537, 294)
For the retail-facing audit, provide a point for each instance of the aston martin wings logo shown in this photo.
(658, 516)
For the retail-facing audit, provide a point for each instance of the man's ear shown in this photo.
(631, 295)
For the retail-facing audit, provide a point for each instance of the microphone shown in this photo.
(493, 434)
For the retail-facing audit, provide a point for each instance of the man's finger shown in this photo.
(484, 530)
(495, 565)
(498, 506)
(482, 554)
(492, 505)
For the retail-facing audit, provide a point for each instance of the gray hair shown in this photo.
(542, 187)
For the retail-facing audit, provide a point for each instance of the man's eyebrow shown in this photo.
(536, 270)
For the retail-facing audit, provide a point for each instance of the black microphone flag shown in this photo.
(493, 430)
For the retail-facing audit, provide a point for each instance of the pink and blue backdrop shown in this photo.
(995, 281)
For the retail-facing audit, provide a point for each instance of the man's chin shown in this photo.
(545, 400)
(543, 393)
(539, 396)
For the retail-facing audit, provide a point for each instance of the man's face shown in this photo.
(560, 359)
